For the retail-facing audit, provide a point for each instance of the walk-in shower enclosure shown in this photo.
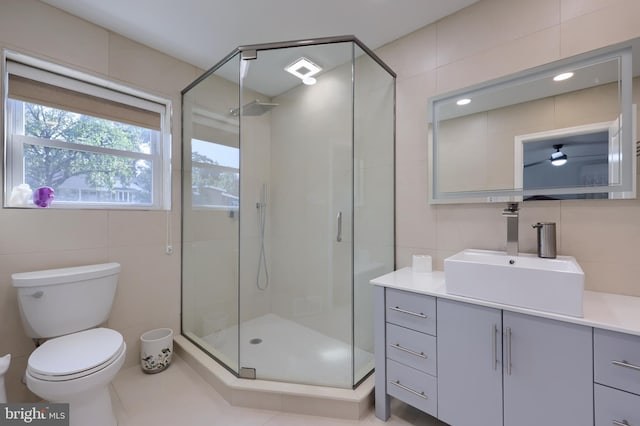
(288, 209)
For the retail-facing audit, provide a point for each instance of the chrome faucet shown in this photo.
(511, 213)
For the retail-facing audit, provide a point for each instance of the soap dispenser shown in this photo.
(546, 239)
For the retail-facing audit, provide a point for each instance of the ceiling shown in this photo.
(202, 32)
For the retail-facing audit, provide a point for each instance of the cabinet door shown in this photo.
(469, 364)
(550, 378)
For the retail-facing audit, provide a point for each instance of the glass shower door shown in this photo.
(296, 224)
(210, 224)
(373, 234)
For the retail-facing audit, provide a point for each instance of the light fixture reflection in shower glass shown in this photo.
(304, 69)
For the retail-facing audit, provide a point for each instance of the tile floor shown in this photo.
(178, 396)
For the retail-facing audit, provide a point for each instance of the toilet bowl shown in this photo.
(77, 369)
(77, 362)
(4, 366)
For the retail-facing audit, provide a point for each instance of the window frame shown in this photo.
(57, 75)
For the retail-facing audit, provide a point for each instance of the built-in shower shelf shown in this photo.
(287, 397)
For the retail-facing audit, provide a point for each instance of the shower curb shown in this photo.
(291, 398)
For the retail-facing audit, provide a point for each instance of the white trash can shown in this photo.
(156, 350)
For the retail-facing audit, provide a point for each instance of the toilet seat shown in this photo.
(75, 355)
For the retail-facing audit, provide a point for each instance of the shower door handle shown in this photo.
(339, 236)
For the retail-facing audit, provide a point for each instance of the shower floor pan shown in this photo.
(283, 350)
(287, 351)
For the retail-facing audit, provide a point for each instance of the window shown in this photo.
(95, 143)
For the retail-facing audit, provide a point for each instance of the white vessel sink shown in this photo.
(527, 281)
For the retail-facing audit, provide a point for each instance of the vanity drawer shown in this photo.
(411, 310)
(616, 358)
(412, 348)
(614, 405)
(413, 387)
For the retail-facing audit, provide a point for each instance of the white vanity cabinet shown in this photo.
(499, 365)
(510, 369)
(617, 378)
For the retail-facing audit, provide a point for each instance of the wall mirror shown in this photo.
(564, 130)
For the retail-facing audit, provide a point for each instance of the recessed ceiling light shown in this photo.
(464, 101)
(563, 76)
(309, 81)
(303, 68)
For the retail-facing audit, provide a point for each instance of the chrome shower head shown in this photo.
(253, 109)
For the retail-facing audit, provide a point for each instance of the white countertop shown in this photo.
(601, 310)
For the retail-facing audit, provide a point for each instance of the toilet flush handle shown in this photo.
(37, 294)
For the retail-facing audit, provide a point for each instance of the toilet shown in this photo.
(79, 359)
(5, 361)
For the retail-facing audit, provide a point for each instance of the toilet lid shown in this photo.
(75, 355)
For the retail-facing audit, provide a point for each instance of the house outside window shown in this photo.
(215, 179)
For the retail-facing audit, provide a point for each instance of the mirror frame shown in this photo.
(621, 51)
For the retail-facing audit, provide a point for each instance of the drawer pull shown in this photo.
(409, 351)
(415, 314)
(626, 365)
(403, 387)
(620, 423)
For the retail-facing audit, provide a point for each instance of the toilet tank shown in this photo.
(55, 302)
